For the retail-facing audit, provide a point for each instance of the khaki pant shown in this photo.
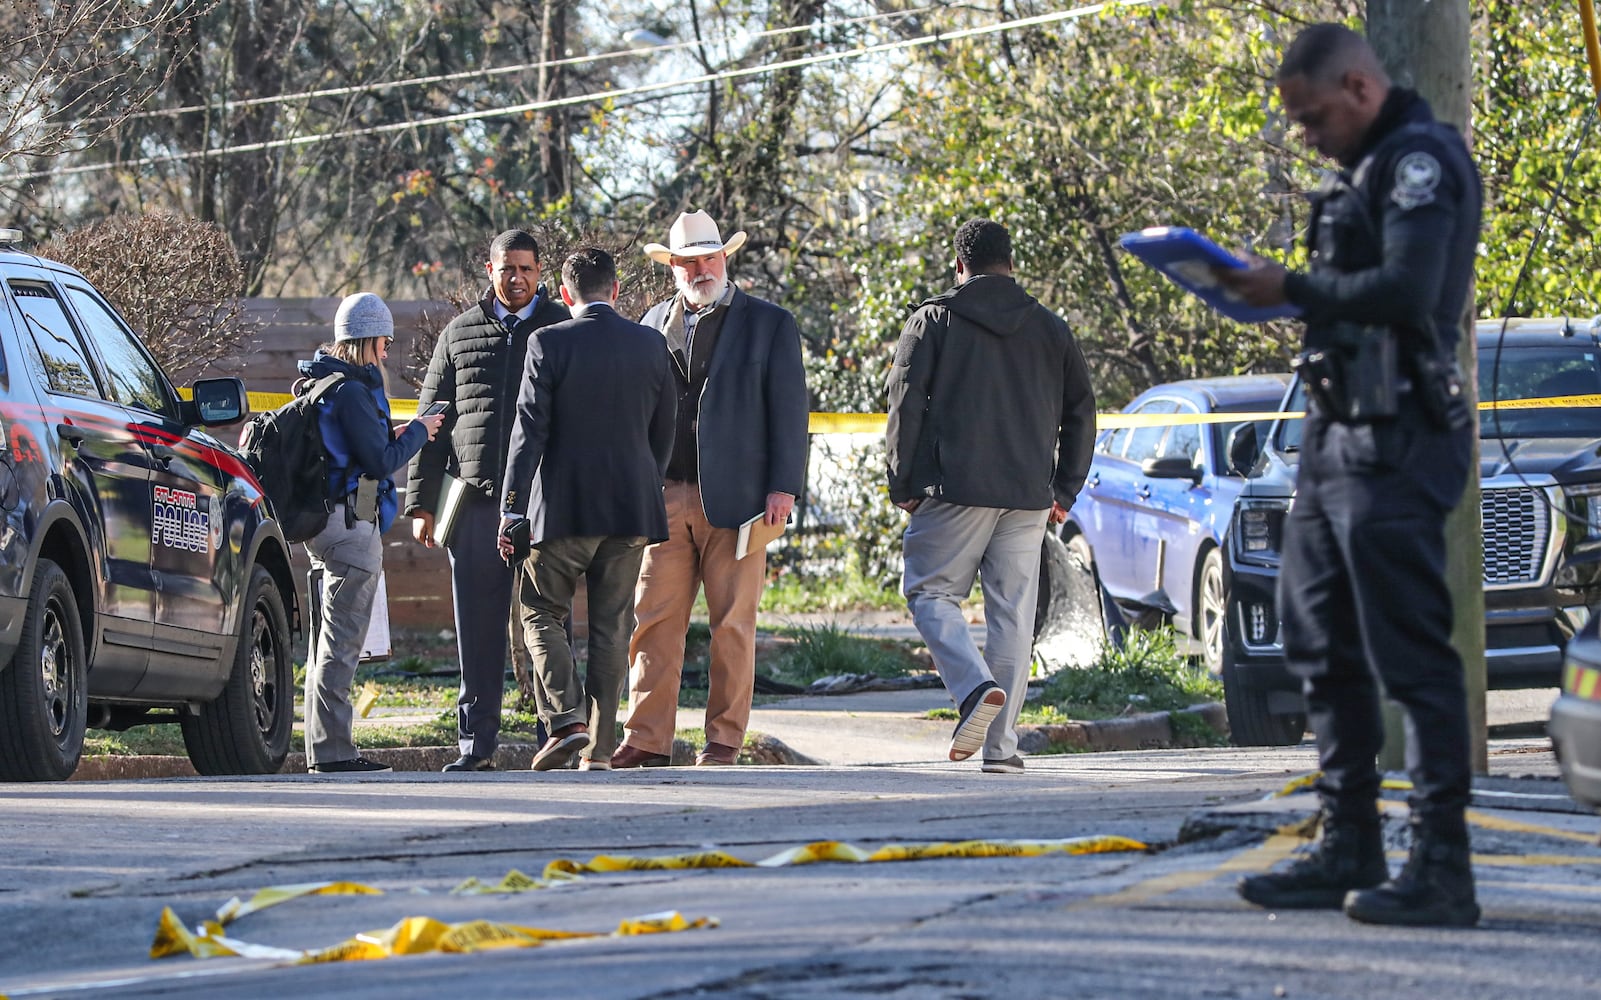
(694, 554)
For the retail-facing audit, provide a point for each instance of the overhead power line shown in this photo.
(297, 142)
(493, 71)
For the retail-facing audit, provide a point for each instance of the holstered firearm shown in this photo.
(1354, 374)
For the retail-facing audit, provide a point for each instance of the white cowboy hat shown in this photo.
(693, 235)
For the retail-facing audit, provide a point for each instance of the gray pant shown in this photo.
(610, 565)
(347, 561)
(946, 546)
(481, 587)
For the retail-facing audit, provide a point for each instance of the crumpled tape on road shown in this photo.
(514, 882)
(233, 909)
(833, 850)
(411, 936)
(1306, 781)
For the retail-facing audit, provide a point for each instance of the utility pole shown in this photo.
(1428, 47)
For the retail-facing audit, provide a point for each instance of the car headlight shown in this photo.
(1259, 530)
(1584, 504)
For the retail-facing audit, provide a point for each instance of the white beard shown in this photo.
(702, 293)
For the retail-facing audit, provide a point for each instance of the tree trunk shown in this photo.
(250, 180)
(552, 125)
(1427, 46)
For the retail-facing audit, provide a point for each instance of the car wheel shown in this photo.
(1210, 606)
(246, 729)
(44, 693)
(1251, 723)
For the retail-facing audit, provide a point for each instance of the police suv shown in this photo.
(142, 576)
(1540, 511)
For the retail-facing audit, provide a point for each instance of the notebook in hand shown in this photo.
(451, 494)
(755, 534)
(1187, 259)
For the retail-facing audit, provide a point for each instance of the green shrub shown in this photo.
(827, 650)
(1147, 674)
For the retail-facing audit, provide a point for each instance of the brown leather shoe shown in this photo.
(627, 756)
(717, 755)
(564, 744)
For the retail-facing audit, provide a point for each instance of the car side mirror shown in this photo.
(1171, 467)
(217, 401)
(1244, 449)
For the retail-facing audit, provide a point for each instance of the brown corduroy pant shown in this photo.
(695, 554)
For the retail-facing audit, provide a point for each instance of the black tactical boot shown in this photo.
(1349, 856)
(1434, 889)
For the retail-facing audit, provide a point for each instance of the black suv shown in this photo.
(1540, 477)
(142, 577)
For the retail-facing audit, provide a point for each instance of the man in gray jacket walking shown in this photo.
(991, 425)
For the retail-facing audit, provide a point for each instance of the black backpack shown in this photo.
(284, 448)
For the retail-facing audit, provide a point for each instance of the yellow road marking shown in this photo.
(1507, 825)
(1284, 842)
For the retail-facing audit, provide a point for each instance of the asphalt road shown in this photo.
(88, 867)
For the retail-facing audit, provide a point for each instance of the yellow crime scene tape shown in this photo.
(235, 908)
(366, 698)
(419, 935)
(409, 936)
(1306, 781)
(833, 850)
(873, 423)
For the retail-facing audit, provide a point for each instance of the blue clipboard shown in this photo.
(1187, 258)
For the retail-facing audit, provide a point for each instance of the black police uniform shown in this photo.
(1362, 588)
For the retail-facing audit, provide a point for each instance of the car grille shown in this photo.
(1517, 531)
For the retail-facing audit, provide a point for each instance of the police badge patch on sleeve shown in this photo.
(1416, 177)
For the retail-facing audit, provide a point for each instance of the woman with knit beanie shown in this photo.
(347, 555)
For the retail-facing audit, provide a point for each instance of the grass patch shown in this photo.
(796, 593)
(1189, 729)
(1148, 674)
(827, 650)
(941, 714)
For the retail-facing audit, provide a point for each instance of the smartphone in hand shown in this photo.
(435, 408)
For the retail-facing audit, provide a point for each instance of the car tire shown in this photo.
(1251, 723)
(246, 729)
(44, 693)
(1210, 605)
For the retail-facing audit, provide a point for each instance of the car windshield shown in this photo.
(1221, 431)
(1540, 373)
(1290, 430)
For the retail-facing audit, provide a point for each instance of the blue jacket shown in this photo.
(354, 419)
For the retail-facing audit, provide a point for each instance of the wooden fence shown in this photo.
(288, 332)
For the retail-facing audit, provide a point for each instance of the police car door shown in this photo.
(106, 475)
(185, 493)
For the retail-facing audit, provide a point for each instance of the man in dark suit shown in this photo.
(583, 497)
(739, 452)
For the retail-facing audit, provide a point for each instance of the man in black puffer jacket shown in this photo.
(477, 367)
(991, 422)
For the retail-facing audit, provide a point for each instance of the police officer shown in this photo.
(1384, 457)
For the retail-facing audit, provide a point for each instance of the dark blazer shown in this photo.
(593, 430)
(753, 410)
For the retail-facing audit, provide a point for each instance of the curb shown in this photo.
(760, 749)
(1149, 731)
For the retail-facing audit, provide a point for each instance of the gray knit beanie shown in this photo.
(363, 315)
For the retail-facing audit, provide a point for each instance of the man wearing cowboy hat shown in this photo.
(739, 451)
